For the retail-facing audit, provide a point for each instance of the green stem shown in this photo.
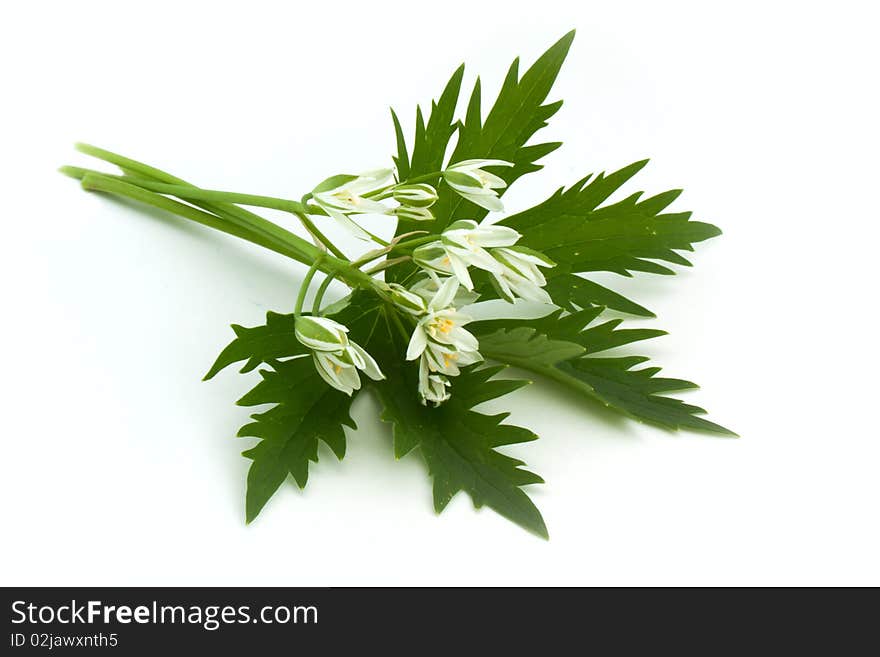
(396, 320)
(190, 192)
(387, 264)
(408, 245)
(266, 230)
(102, 183)
(319, 295)
(231, 212)
(313, 229)
(304, 288)
(378, 240)
(305, 253)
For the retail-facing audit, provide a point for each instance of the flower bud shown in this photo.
(413, 214)
(476, 185)
(433, 257)
(320, 333)
(419, 195)
(406, 300)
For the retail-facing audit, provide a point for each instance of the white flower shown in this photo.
(432, 387)
(446, 360)
(464, 244)
(408, 300)
(442, 324)
(338, 374)
(321, 333)
(433, 257)
(418, 195)
(340, 369)
(428, 286)
(336, 358)
(519, 275)
(413, 213)
(468, 179)
(340, 196)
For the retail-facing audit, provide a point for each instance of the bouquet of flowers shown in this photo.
(404, 331)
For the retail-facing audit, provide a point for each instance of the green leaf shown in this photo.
(517, 114)
(432, 139)
(459, 444)
(260, 344)
(636, 392)
(525, 342)
(573, 292)
(306, 410)
(401, 160)
(611, 381)
(572, 228)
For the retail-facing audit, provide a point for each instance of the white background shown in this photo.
(120, 467)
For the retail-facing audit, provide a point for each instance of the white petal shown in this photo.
(368, 206)
(479, 164)
(355, 355)
(481, 258)
(370, 367)
(492, 181)
(466, 358)
(531, 292)
(370, 181)
(487, 201)
(503, 288)
(454, 316)
(348, 224)
(456, 237)
(465, 340)
(325, 370)
(417, 344)
(349, 378)
(459, 266)
(423, 373)
(496, 236)
(445, 294)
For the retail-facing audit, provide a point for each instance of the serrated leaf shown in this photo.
(581, 235)
(526, 342)
(306, 410)
(517, 114)
(259, 344)
(401, 160)
(611, 381)
(573, 292)
(459, 444)
(614, 382)
(433, 138)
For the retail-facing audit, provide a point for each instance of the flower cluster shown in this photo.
(514, 269)
(344, 195)
(439, 340)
